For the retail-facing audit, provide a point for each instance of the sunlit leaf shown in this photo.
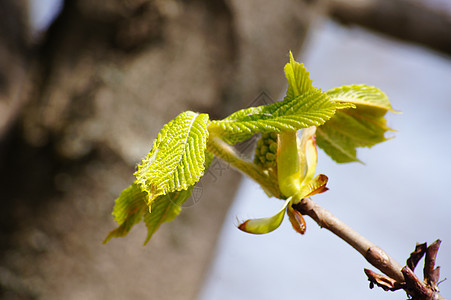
(264, 225)
(308, 153)
(362, 95)
(310, 109)
(128, 210)
(288, 163)
(303, 106)
(315, 186)
(164, 209)
(299, 81)
(177, 158)
(348, 129)
(131, 208)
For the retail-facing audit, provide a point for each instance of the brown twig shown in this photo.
(414, 287)
(431, 275)
(415, 256)
(428, 288)
(372, 253)
(396, 277)
(382, 281)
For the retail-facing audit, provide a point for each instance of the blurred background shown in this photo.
(85, 86)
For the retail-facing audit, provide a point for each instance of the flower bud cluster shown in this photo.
(266, 151)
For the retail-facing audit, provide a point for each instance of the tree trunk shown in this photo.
(97, 90)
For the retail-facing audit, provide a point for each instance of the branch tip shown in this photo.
(431, 274)
(416, 255)
(382, 281)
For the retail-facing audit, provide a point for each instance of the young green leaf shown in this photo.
(312, 108)
(298, 78)
(265, 225)
(164, 209)
(128, 211)
(315, 186)
(303, 106)
(348, 129)
(362, 95)
(288, 163)
(177, 158)
(308, 154)
(131, 208)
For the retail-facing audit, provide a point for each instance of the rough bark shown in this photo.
(108, 75)
(14, 53)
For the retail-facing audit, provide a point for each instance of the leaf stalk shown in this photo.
(227, 153)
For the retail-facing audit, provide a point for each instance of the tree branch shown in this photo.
(396, 276)
(372, 253)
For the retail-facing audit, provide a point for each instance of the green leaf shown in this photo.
(298, 78)
(265, 225)
(315, 186)
(310, 109)
(164, 209)
(288, 163)
(131, 208)
(128, 211)
(362, 95)
(308, 154)
(350, 128)
(177, 158)
(303, 106)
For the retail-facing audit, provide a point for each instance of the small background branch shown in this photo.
(424, 22)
